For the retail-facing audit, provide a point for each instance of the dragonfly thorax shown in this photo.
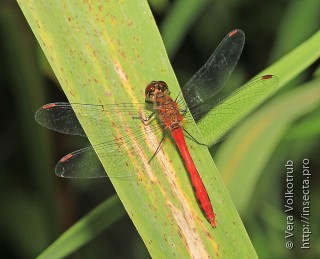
(158, 94)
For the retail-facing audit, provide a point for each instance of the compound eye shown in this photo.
(150, 93)
(150, 89)
(163, 86)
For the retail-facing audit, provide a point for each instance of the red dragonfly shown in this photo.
(167, 115)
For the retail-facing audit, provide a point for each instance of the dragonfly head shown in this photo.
(154, 88)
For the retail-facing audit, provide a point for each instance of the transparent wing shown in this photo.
(83, 163)
(213, 75)
(130, 144)
(61, 116)
(228, 112)
(124, 156)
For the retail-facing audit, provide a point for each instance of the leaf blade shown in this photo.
(110, 52)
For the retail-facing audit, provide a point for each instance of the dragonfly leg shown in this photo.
(158, 148)
(146, 120)
(179, 97)
(184, 111)
(193, 138)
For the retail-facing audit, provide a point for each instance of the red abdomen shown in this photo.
(201, 192)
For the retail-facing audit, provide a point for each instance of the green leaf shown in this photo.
(296, 61)
(306, 25)
(258, 137)
(179, 20)
(107, 53)
(85, 229)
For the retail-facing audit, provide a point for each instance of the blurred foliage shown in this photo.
(36, 207)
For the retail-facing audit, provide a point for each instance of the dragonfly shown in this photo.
(137, 125)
